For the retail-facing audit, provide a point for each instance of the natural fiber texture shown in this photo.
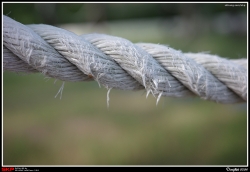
(117, 63)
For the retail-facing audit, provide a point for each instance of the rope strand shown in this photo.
(118, 63)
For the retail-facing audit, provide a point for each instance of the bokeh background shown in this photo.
(79, 128)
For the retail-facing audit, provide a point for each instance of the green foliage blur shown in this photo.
(54, 13)
(79, 128)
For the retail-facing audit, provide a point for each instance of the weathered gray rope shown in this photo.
(117, 63)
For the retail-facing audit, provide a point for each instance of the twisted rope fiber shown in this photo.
(117, 63)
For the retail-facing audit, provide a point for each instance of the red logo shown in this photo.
(8, 168)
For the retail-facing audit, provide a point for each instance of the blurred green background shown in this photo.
(79, 129)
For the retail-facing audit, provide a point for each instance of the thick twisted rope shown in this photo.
(117, 63)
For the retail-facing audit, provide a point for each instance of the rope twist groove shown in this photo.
(117, 63)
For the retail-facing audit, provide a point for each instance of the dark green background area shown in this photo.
(79, 129)
(55, 13)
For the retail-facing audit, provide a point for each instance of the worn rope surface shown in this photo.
(117, 63)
